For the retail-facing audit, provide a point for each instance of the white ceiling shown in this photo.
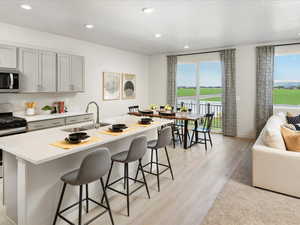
(198, 23)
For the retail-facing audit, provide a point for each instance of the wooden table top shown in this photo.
(177, 116)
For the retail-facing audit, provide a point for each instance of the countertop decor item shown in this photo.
(111, 86)
(30, 108)
(47, 109)
(129, 86)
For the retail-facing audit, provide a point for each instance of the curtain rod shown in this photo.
(295, 43)
(199, 53)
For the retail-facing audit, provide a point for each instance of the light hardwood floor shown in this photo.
(199, 177)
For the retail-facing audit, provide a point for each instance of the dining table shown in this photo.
(179, 116)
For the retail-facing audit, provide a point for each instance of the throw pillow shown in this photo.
(273, 139)
(293, 119)
(291, 139)
(290, 126)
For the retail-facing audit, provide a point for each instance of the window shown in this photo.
(286, 90)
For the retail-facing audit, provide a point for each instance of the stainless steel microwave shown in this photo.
(9, 82)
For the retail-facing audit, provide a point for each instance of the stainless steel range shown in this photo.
(9, 125)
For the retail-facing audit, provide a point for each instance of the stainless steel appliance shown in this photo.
(9, 125)
(9, 82)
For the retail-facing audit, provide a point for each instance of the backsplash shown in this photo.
(18, 100)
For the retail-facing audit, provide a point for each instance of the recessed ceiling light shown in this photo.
(26, 6)
(186, 47)
(148, 10)
(89, 26)
(157, 35)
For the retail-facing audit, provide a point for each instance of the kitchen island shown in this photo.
(33, 167)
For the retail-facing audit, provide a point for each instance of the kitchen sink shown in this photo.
(86, 127)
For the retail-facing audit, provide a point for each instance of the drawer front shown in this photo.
(79, 119)
(46, 124)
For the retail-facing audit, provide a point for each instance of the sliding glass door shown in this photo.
(199, 85)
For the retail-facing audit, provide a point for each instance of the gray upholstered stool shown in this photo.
(164, 139)
(93, 167)
(136, 152)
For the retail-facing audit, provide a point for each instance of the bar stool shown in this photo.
(136, 152)
(93, 167)
(164, 139)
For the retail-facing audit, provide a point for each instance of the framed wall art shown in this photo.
(111, 86)
(128, 86)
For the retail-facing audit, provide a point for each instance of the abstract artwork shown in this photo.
(129, 86)
(111, 85)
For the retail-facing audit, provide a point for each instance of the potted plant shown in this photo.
(153, 107)
(183, 109)
(47, 109)
(168, 107)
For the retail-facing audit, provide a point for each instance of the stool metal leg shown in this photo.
(106, 200)
(205, 141)
(80, 205)
(169, 163)
(59, 203)
(151, 160)
(124, 177)
(144, 177)
(137, 173)
(127, 187)
(107, 180)
(87, 198)
(157, 170)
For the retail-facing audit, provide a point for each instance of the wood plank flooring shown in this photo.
(199, 177)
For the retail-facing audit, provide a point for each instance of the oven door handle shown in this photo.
(11, 85)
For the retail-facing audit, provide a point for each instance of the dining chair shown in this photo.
(204, 129)
(134, 108)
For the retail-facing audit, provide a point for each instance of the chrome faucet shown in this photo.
(98, 109)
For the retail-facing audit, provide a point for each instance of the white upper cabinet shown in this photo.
(70, 73)
(29, 68)
(47, 71)
(8, 57)
(77, 73)
(64, 73)
(38, 70)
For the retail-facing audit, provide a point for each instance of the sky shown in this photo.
(286, 68)
(210, 74)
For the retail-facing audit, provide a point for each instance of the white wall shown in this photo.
(98, 59)
(245, 83)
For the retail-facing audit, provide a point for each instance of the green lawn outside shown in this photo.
(203, 91)
(280, 96)
(215, 99)
(286, 96)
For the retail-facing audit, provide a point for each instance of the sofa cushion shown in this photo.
(271, 136)
(291, 139)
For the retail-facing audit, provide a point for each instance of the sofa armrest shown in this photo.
(276, 170)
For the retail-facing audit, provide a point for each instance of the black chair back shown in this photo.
(134, 108)
(208, 118)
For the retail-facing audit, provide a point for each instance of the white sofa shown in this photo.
(275, 169)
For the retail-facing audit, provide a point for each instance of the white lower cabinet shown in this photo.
(48, 123)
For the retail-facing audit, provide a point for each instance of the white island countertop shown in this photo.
(35, 147)
(39, 117)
